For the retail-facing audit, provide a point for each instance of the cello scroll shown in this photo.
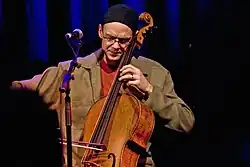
(148, 19)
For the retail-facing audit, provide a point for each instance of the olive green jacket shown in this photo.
(85, 90)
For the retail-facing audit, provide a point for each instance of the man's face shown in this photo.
(115, 40)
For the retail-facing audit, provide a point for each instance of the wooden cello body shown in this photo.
(118, 125)
(131, 122)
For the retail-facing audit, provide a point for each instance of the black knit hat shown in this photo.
(123, 14)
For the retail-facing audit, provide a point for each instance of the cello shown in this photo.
(119, 124)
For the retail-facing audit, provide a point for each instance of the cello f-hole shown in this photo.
(111, 155)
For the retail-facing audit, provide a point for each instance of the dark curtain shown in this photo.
(204, 44)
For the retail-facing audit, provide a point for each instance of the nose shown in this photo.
(116, 45)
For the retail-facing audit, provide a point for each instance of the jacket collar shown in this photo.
(91, 60)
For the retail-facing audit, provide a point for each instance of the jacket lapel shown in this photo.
(91, 64)
(95, 78)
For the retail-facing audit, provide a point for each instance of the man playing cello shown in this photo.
(95, 76)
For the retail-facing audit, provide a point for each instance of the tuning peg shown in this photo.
(154, 27)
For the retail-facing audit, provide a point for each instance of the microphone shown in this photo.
(77, 33)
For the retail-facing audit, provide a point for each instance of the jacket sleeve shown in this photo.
(168, 106)
(47, 84)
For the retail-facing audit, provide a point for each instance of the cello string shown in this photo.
(114, 92)
(104, 119)
(98, 131)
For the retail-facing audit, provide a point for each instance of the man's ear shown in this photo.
(100, 32)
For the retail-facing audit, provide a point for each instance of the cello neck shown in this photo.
(126, 59)
(112, 97)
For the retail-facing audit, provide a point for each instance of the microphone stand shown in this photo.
(65, 88)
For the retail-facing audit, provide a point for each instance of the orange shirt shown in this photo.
(107, 77)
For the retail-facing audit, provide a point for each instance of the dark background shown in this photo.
(209, 65)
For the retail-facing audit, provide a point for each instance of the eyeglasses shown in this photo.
(121, 41)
